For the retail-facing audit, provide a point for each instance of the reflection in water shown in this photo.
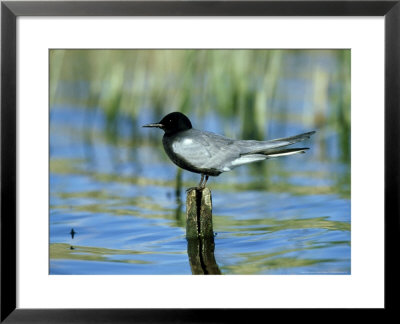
(63, 251)
(178, 187)
(180, 220)
(201, 256)
(72, 233)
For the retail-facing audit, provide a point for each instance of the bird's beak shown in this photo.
(158, 125)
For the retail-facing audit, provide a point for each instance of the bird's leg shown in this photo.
(204, 184)
(199, 186)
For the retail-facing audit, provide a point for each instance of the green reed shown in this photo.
(242, 83)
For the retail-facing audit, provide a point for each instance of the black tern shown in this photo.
(210, 154)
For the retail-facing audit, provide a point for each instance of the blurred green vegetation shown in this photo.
(247, 90)
(241, 83)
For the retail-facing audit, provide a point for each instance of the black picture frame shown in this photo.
(10, 10)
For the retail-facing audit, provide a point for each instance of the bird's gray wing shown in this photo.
(266, 147)
(206, 150)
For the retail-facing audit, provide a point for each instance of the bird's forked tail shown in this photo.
(283, 152)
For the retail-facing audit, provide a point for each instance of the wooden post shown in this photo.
(191, 215)
(199, 232)
(199, 214)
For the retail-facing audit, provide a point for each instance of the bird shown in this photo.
(210, 154)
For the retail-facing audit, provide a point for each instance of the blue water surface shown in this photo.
(115, 207)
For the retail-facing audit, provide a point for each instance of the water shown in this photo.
(115, 207)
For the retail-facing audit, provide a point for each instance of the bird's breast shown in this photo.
(188, 154)
(173, 148)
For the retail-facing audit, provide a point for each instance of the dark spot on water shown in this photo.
(72, 233)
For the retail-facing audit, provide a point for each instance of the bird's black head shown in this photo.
(173, 123)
